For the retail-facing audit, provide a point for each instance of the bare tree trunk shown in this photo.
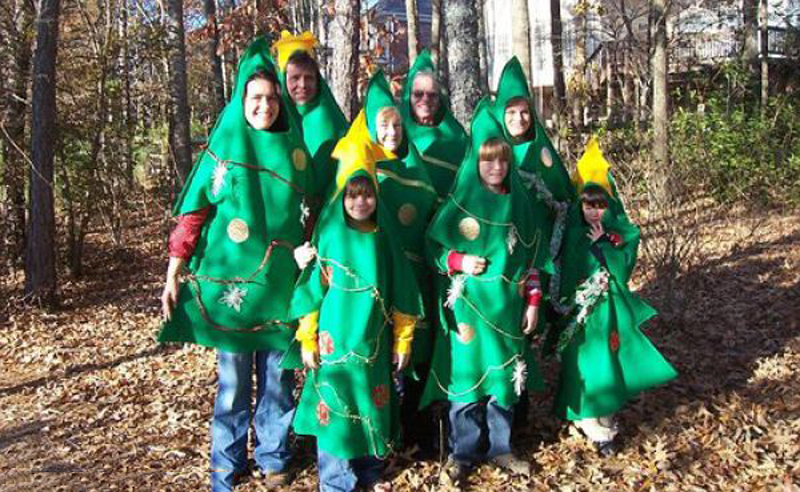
(521, 35)
(412, 30)
(463, 57)
(436, 30)
(660, 99)
(40, 261)
(483, 48)
(345, 40)
(764, 24)
(628, 86)
(180, 134)
(578, 80)
(557, 40)
(217, 83)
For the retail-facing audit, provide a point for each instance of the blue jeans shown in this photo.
(272, 417)
(339, 475)
(468, 421)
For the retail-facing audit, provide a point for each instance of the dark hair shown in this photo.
(303, 59)
(263, 74)
(359, 185)
(594, 196)
(530, 133)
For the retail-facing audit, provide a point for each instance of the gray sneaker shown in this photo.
(511, 463)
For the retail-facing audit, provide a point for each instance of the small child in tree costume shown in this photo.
(358, 305)
(486, 244)
(605, 358)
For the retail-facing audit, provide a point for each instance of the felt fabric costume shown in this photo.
(321, 120)
(408, 195)
(605, 358)
(241, 274)
(442, 146)
(481, 350)
(539, 165)
(359, 303)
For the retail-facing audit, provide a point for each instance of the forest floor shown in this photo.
(89, 400)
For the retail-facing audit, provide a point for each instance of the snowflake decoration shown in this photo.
(305, 212)
(218, 179)
(455, 291)
(233, 297)
(511, 240)
(520, 376)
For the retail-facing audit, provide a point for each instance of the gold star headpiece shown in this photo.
(356, 151)
(283, 48)
(592, 168)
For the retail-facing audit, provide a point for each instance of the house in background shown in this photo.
(387, 34)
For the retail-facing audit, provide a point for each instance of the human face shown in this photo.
(518, 117)
(389, 130)
(261, 103)
(301, 84)
(359, 207)
(493, 173)
(593, 213)
(424, 100)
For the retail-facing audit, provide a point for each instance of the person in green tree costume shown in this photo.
(243, 210)
(539, 165)
(311, 104)
(407, 193)
(605, 358)
(431, 126)
(357, 304)
(486, 244)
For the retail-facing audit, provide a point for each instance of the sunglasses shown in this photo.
(420, 94)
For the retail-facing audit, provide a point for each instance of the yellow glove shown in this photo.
(307, 332)
(403, 331)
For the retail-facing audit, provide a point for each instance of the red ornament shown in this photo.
(325, 343)
(380, 395)
(613, 341)
(323, 414)
(614, 239)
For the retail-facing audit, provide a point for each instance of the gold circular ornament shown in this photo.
(547, 157)
(299, 159)
(469, 228)
(466, 333)
(238, 232)
(407, 213)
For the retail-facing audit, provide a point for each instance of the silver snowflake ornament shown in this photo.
(233, 297)
(218, 178)
(519, 376)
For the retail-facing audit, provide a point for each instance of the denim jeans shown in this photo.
(470, 422)
(232, 413)
(339, 475)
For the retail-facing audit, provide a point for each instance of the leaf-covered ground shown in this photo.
(88, 401)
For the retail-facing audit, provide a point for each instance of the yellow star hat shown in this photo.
(356, 151)
(592, 168)
(283, 48)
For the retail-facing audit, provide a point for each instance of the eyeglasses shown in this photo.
(420, 94)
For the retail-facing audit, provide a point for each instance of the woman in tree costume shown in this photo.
(358, 304)
(244, 208)
(320, 118)
(440, 140)
(539, 165)
(605, 358)
(486, 243)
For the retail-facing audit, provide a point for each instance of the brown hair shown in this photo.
(494, 148)
(359, 185)
(595, 197)
(302, 59)
(263, 74)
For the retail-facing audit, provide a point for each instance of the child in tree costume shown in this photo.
(358, 304)
(605, 358)
(485, 243)
(249, 188)
(441, 145)
(539, 165)
(321, 120)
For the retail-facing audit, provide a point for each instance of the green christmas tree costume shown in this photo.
(605, 358)
(481, 350)
(540, 166)
(442, 146)
(242, 272)
(408, 195)
(360, 285)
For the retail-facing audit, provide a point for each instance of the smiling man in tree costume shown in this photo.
(431, 126)
(242, 211)
(605, 358)
(358, 304)
(486, 244)
(311, 103)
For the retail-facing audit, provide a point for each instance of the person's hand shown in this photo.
(169, 297)
(304, 254)
(530, 319)
(473, 265)
(401, 361)
(595, 231)
(310, 358)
